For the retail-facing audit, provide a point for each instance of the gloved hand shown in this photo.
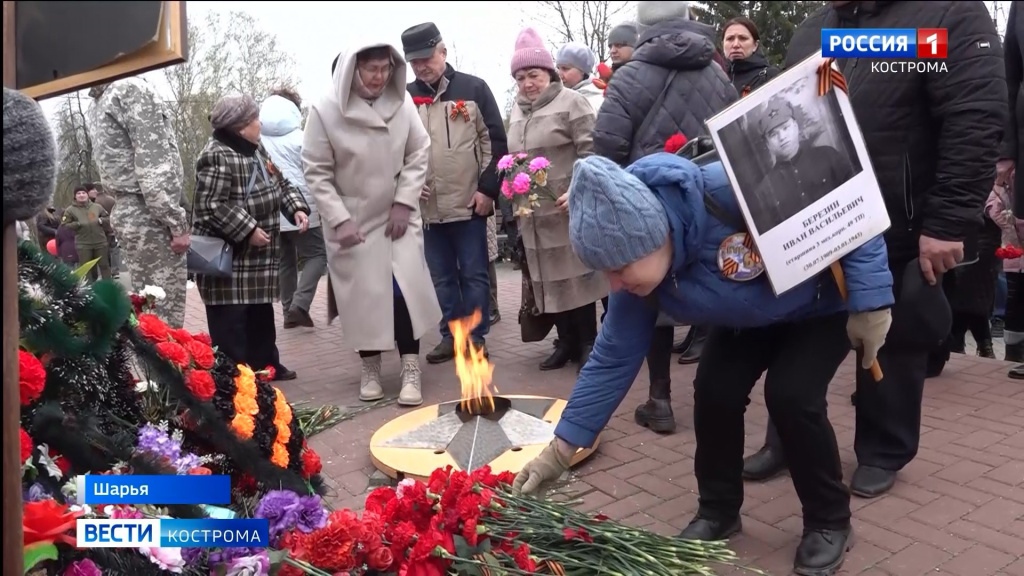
(867, 331)
(398, 221)
(348, 235)
(546, 467)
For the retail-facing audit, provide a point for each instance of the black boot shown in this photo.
(562, 355)
(1017, 372)
(692, 353)
(821, 552)
(656, 413)
(1014, 352)
(584, 356)
(871, 481)
(764, 464)
(684, 343)
(985, 349)
(705, 530)
(997, 327)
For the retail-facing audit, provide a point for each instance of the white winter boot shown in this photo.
(369, 386)
(411, 394)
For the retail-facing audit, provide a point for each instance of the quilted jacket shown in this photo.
(699, 90)
(933, 137)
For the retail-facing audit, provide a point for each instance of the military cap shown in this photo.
(777, 113)
(420, 41)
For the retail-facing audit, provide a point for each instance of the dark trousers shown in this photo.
(799, 360)
(492, 276)
(246, 333)
(457, 257)
(305, 251)
(979, 325)
(407, 343)
(577, 328)
(1014, 320)
(101, 254)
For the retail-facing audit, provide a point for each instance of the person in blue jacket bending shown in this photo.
(652, 228)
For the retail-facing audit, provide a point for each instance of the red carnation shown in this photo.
(422, 100)
(380, 559)
(268, 374)
(200, 384)
(138, 303)
(174, 353)
(246, 484)
(675, 143)
(311, 465)
(153, 328)
(203, 337)
(201, 354)
(26, 444)
(31, 377)
(180, 335)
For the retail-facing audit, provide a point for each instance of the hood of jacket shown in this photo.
(279, 116)
(679, 185)
(389, 102)
(677, 44)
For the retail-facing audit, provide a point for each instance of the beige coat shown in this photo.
(358, 161)
(559, 126)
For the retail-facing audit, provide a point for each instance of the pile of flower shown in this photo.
(468, 523)
(524, 180)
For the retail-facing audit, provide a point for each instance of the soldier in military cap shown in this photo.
(467, 136)
(803, 172)
(136, 153)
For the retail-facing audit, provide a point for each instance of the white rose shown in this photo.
(154, 292)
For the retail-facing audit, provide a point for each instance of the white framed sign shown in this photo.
(801, 172)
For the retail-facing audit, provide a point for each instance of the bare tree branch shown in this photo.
(586, 22)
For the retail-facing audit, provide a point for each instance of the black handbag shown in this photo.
(212, 256)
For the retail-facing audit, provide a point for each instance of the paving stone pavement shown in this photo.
(958, 509)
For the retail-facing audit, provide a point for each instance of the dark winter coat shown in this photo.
(933, 137)
(699, 90)
(67, 251)
(751, 73)
(1013, 46)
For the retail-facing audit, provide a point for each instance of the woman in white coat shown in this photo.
(365, 158)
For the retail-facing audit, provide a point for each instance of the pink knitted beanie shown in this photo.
(531, 52)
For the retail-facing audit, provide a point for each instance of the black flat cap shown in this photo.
(420, 41)
(922, 317)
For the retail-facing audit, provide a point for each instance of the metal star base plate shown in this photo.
(418, 442)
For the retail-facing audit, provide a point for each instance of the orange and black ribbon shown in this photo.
(829, 77)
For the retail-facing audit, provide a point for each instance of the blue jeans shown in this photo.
(457, 257)
(1000, 307)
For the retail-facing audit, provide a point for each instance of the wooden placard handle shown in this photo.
(837, 272)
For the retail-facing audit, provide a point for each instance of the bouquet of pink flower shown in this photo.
(524, 179)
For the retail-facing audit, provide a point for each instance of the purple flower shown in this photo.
(226, 555)
(83, 567)
(187, 462)
(192, 556)
(35, 493)
(311, 514)
(157, 442)
(257, 565)
(281, 508)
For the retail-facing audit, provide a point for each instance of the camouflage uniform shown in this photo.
(137, 156)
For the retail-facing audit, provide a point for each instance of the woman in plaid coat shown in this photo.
(239, 196)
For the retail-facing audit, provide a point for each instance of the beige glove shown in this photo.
(867, 331)
(546, 467)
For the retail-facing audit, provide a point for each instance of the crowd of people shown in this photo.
(391, 188)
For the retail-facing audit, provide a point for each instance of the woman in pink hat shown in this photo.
(556, 123)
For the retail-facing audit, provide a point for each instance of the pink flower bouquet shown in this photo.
(524, 179)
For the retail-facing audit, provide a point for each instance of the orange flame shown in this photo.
(473, 368)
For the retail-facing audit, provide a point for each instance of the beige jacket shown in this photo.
(359, 160)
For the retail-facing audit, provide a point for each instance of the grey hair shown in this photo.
(234, 112)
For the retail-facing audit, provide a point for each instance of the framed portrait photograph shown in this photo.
(801, 172)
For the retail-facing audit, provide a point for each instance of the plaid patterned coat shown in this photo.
(223, 209)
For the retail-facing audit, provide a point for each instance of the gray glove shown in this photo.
(546, 467)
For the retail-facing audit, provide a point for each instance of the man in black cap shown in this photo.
(467, 137)
(803, 173)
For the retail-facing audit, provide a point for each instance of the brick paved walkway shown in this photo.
(958, 509)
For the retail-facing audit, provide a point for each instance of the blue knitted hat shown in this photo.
(614, 218)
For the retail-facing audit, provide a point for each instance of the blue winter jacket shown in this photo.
(281, 136)
(696, 292)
